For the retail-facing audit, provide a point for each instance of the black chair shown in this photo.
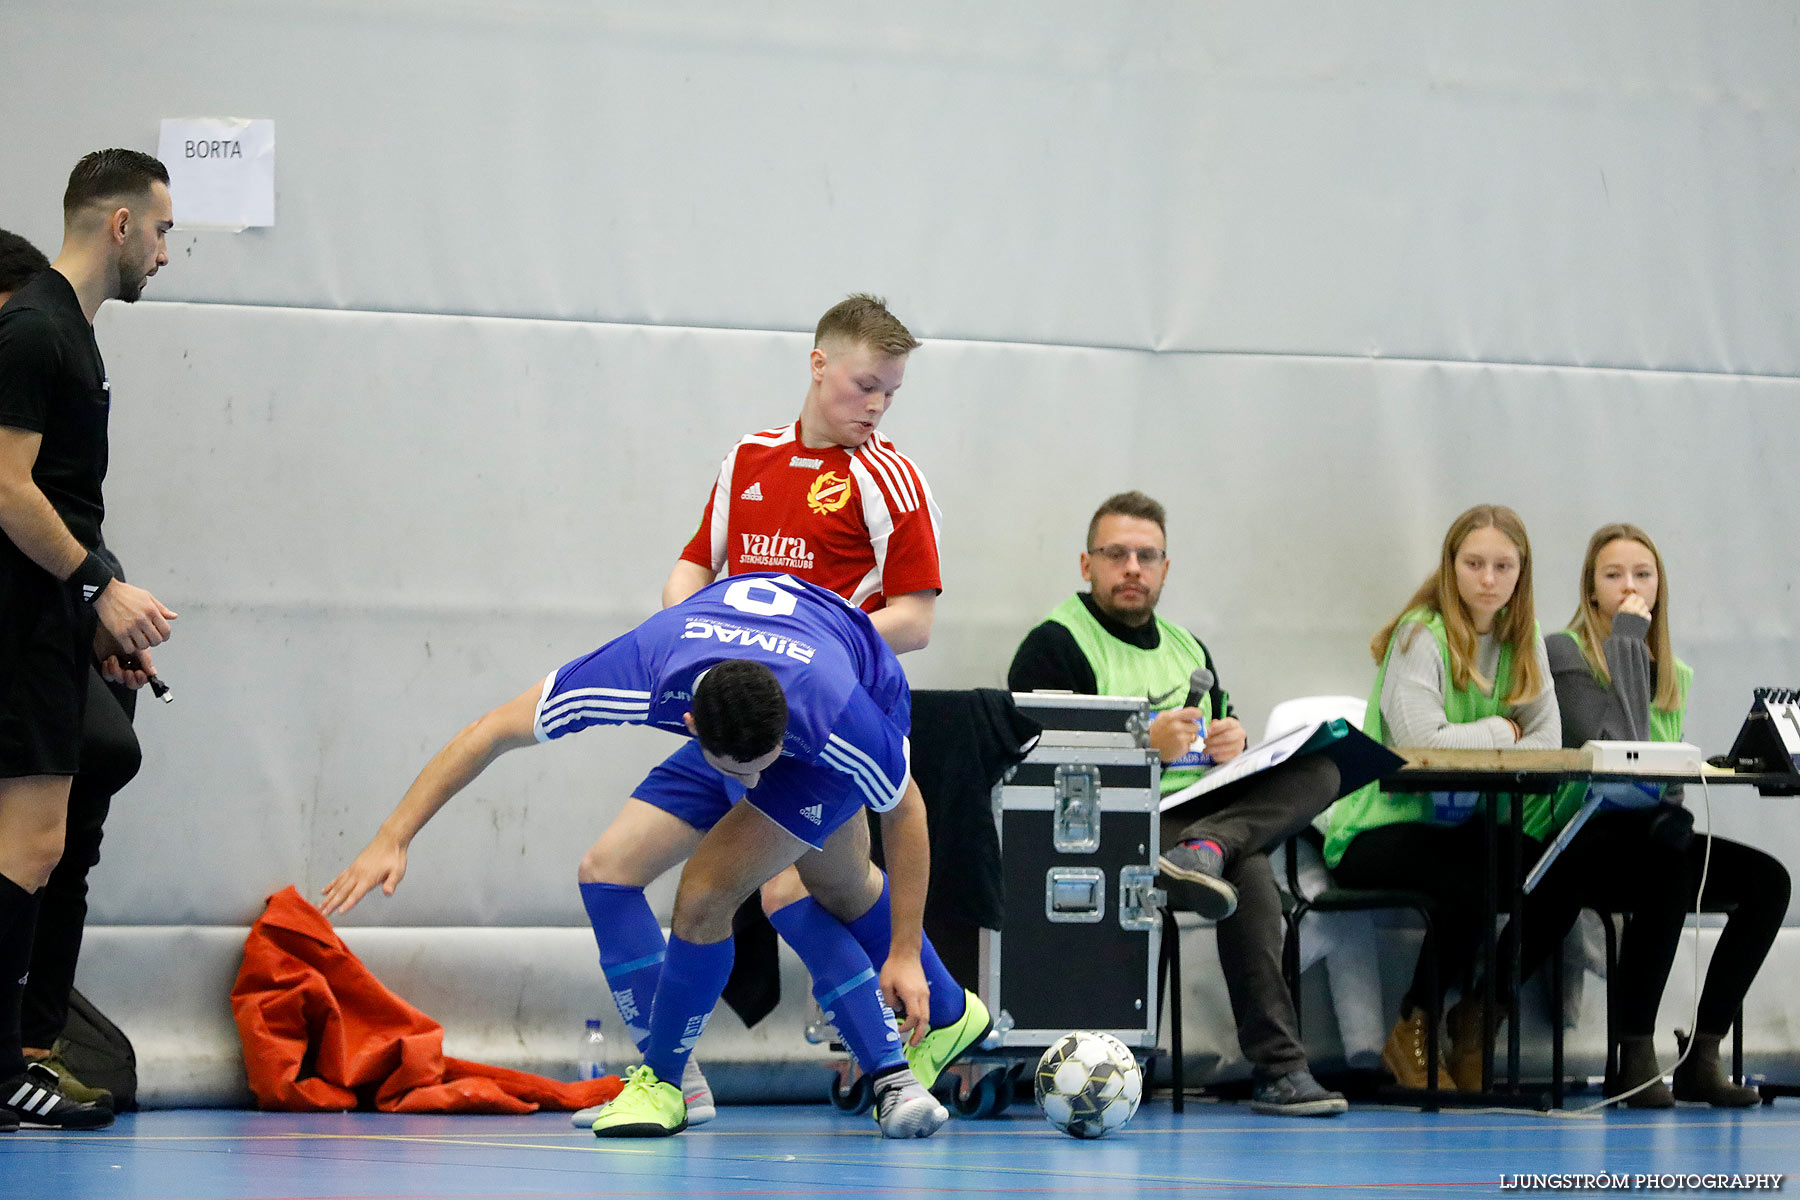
(1296, 904)
(1168, 963)
(1339, 899)
(1613, 933)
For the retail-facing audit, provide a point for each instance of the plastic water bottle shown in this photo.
(590, 1060)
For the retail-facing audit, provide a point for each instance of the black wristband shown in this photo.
(91, 577)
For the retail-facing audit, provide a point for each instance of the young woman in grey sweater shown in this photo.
(1617, 678)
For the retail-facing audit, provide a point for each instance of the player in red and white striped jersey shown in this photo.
(856, 518)
(829, 500)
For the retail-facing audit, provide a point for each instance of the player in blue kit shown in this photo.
(800, 711)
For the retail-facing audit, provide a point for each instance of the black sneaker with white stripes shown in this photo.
(32, 1100)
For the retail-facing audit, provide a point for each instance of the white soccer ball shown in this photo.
(1088, 1084)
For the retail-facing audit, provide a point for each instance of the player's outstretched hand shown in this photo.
(903, 983)
(383, 861)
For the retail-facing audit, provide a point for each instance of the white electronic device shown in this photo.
(1651, 758)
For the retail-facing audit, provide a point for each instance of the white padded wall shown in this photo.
(1588, 184)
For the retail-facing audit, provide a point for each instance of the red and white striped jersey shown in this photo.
(861, 522)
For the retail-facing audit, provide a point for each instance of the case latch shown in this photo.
(1074, 895)
(1076, 827)
(1139, 898)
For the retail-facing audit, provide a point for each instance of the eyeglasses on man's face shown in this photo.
(1147, 556)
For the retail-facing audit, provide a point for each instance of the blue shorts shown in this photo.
(808, 801)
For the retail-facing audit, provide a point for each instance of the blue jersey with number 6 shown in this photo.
(849, 708)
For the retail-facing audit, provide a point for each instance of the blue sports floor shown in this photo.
(814, 1150)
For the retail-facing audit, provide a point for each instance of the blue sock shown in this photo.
(693, 977)
(844, 983)
(875, 931)
(631, 950)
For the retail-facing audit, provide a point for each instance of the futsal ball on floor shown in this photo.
(1088, 1084)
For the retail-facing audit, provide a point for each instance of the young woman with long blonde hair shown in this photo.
(1462, 665)
(1617, 678)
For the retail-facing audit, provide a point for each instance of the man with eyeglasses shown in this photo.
(1108, 641)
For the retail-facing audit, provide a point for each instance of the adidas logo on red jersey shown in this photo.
(753, 492)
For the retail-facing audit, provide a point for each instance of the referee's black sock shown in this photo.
(18, 928)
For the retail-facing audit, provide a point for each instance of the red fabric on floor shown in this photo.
(318, 1029)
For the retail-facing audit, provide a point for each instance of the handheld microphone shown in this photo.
(1199, 683)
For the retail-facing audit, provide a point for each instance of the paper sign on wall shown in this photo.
(221, 171)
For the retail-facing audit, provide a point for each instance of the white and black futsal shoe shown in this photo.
(903, 1109)
(33, 1101)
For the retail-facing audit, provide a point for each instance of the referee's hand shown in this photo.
(134, 618)
(128, 670)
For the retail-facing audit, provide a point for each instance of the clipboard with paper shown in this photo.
(1359, 759)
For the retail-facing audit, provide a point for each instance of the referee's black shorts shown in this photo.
(46, 646)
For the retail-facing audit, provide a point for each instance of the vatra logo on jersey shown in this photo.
(828, 493)
(774, 550)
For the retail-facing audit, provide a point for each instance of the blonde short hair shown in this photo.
(865, 320)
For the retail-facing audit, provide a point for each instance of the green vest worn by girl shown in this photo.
(1664, 727)
(1369, 807)
(1159, 675)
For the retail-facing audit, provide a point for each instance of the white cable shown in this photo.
(1694, 1017)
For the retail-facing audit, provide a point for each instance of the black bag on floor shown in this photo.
(99, 1053)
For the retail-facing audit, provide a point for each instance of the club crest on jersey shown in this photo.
(828, 493)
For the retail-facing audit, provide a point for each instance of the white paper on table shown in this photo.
(221, 171)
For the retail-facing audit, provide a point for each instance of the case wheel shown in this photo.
(857, 1099)
(990, 1095)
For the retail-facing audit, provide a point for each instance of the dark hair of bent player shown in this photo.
(19, 261)
(739, 710)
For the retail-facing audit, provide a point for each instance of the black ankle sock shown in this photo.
(875, 1077)
(18, 926)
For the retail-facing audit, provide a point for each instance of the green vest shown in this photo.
(1159, 675)
(1664, 727)
(1369, 807)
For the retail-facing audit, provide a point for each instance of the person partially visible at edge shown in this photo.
(1617, 679)
(109, 759)
(61, 602)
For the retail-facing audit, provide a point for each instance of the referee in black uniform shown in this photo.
(60, 604)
